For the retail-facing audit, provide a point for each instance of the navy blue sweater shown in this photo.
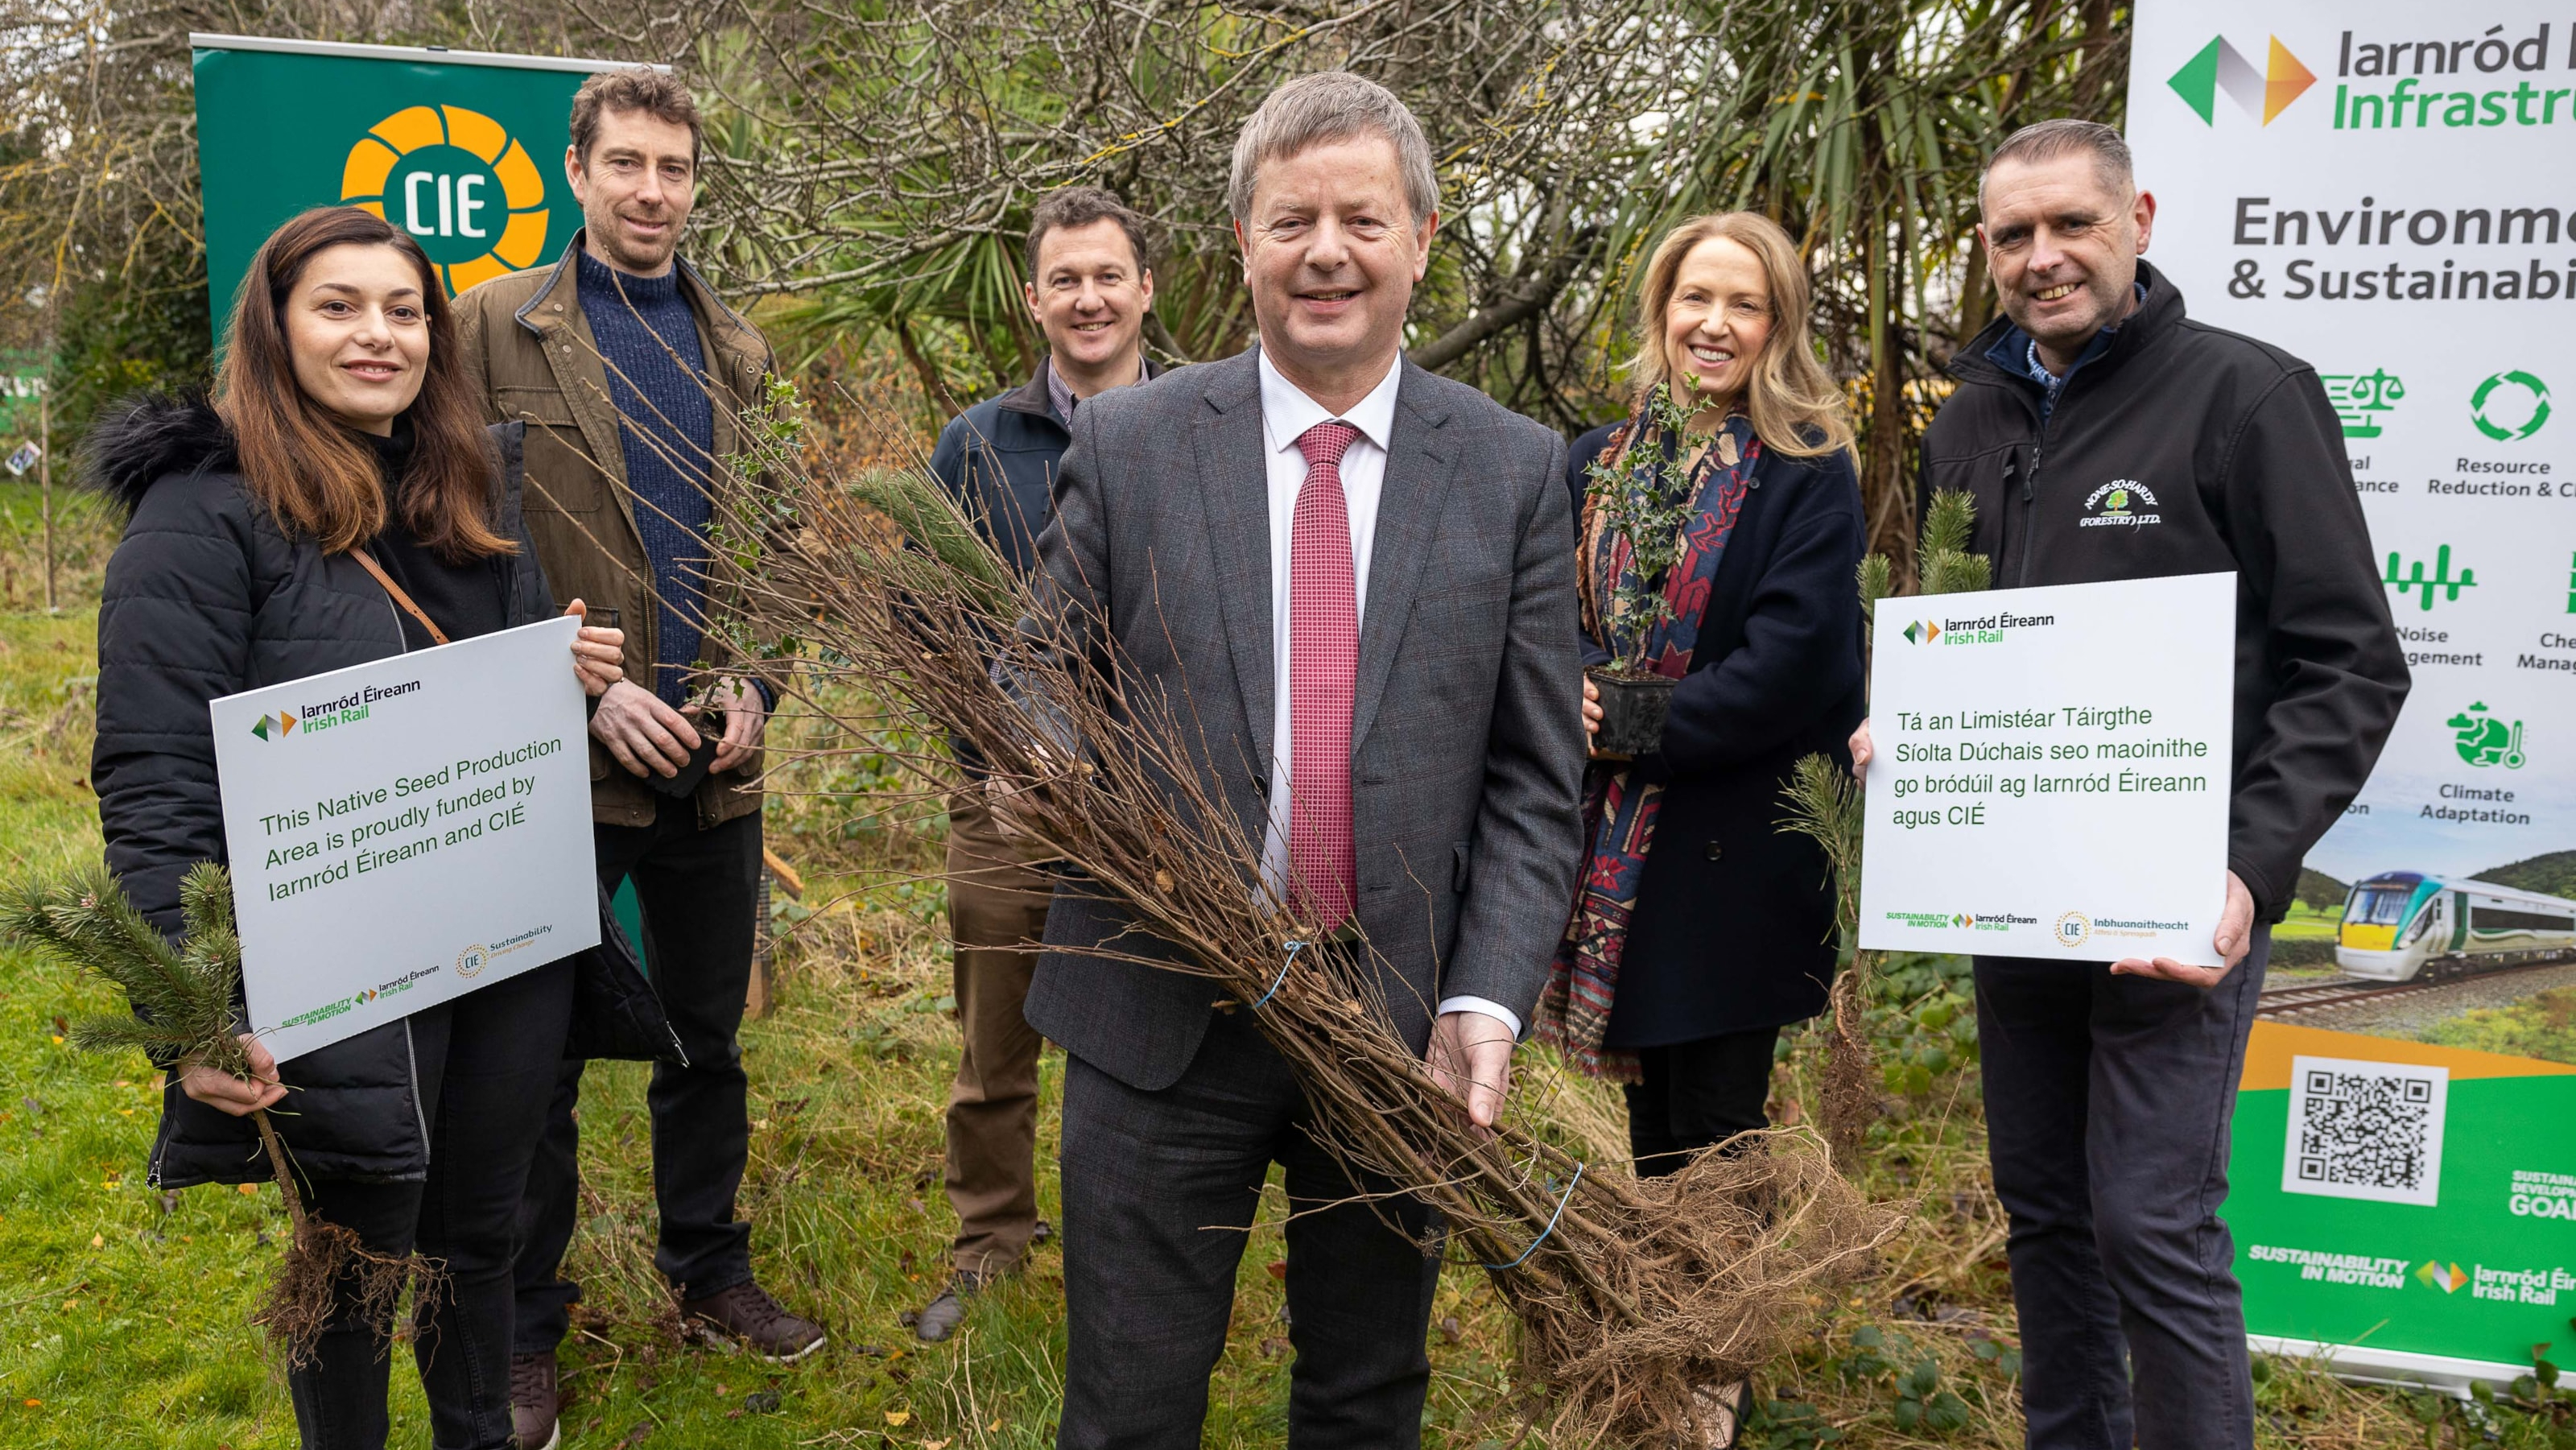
(656, 371)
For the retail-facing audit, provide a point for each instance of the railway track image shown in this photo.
(2288, 1002)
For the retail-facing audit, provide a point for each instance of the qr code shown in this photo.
(2366, 1130)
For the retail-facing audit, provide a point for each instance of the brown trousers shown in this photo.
(997, 906)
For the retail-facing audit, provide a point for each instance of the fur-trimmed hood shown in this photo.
(143, 439)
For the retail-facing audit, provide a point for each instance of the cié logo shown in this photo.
(2074, 929)
(471, 961)
(459, 184)
(274, 727)
(2222, 67)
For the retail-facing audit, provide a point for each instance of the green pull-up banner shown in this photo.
(463, 150)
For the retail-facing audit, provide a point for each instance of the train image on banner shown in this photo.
(2401, 924)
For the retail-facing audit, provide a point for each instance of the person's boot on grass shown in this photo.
(747, 1316)
(536, 1402)
(939, 1318)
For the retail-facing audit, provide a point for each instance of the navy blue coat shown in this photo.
(1734, 922)
(998, 460)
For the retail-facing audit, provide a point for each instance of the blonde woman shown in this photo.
(1700, 929)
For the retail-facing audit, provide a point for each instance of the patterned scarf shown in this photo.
(1618, 814)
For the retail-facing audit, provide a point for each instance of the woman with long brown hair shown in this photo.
(1699, 929)
(337, 502)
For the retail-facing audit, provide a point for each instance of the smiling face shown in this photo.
(1332, 251)
(357, 327)
(2062, 241)
(1717, 323)
(635, 188)
(1090, 299)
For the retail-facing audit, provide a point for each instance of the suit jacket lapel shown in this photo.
(1410, 502)
(1234, 485)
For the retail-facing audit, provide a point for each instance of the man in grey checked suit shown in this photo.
(1360, 575)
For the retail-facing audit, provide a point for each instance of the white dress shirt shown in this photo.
(1286, 414)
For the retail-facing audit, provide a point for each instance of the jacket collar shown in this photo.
(1032, 397)
(563, 275)
(2158, 313)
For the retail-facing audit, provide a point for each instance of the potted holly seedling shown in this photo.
(1641, 504)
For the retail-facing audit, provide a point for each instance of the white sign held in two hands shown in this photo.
(2051, 771)
(406, 831)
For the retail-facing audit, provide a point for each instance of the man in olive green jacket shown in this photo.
(630, 374)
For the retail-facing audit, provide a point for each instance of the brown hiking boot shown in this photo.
(747, 1315)
(535, 1404)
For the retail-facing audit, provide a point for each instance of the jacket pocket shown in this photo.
(560, 475)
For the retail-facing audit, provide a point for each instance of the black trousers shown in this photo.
(482, 1064)
(699, 890)
(1159, 1191)
(2108, 1102)
(1696, 1094)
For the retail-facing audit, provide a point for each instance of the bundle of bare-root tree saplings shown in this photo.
(883, 608)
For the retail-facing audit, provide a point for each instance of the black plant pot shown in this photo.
(1632, 713)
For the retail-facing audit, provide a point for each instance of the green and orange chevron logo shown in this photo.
(2447, 1279)
(1922, 631)
(274, 727)
(2222, 67)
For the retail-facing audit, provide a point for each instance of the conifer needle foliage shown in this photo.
(183, 1000)
(1827, 805)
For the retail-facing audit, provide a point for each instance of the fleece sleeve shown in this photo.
(2300, 537)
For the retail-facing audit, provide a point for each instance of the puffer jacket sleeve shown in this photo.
(174, 631)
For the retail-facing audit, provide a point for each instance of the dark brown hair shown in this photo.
(1080, 206)
(659, 94)
(311, 471)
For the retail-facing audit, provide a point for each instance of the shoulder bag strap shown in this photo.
(368, 562)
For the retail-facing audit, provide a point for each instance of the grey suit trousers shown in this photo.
(1160, 1189)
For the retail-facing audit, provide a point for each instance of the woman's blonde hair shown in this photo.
(1792, 400)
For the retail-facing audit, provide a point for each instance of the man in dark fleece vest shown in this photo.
(630, 375)
(2109, 1090)
(1089, 290)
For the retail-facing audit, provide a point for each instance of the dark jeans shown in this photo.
(1696, 1094)
(699, 890)
(2107, 1108)
(1159, 1193)
(482, 1066)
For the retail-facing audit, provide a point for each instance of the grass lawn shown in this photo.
(122, 1309)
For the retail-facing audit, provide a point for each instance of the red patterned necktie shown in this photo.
(1323, 672)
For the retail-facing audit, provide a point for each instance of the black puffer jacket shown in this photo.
(207, 596)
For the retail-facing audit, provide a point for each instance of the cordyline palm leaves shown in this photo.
(1826, 804)
(1631, 1294)
(182, 1012)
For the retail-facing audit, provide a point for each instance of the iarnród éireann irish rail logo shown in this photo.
(2222, 67)
(274, 727)
(461, 185)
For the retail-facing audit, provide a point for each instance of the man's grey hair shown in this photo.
(1329, 106)
(2048, 140)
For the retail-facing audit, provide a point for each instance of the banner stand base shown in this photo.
(2363, 1364)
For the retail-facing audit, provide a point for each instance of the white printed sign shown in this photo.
(2050, 771)
(405, 831)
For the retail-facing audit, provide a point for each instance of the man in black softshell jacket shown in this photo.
(2104, 435)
